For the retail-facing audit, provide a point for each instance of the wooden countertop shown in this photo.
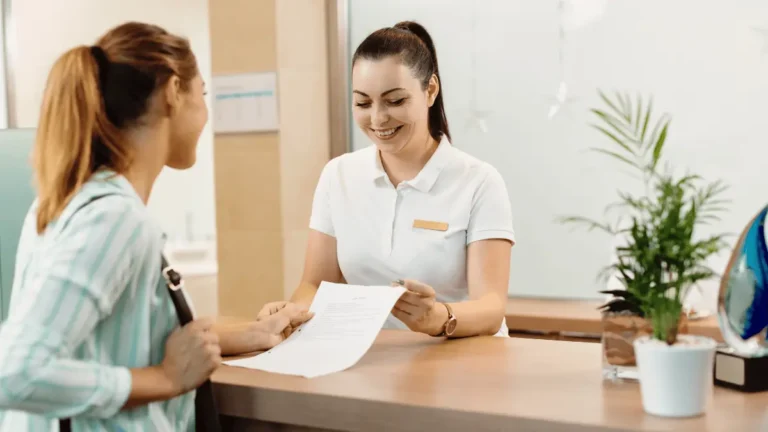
(411, 382)
(577, 316)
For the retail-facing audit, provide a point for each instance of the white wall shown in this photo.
(47, 28)
(701, 60)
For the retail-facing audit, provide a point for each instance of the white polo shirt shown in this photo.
(373, 221)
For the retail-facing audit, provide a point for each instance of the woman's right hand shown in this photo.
(272, 329)
(192, 353)
(272, 308)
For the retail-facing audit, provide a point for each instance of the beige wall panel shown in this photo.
(302, 58)
(246, 168)
(242, 35)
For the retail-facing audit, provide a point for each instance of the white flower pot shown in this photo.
(675, 381)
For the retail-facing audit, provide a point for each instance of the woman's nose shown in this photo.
(380, 116)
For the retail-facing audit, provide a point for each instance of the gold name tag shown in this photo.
(430, 225)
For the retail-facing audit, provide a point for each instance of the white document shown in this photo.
(347, 320)
(245, 103)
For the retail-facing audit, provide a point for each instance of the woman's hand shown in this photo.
(274, 325)
(271, 308)
(192, 353)
(419, 310)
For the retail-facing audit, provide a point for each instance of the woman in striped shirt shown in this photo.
(92, 333)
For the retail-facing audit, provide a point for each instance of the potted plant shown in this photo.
(661, 257)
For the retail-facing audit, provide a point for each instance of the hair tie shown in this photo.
(404, 29)
(102, 61)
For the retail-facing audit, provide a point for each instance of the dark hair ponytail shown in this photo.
(413, 44)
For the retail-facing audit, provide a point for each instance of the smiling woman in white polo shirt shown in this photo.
(411, 208)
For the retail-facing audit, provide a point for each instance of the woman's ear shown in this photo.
(433, 89)
(173, 95)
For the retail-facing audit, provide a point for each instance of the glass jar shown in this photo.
(620, 329)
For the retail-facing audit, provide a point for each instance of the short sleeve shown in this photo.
(491, 214)
(321, 219)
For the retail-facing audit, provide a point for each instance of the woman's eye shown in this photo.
(363, 104)
(397, 102)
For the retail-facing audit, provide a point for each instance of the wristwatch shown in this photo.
(450, 325)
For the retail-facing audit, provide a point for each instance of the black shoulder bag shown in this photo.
(206, 413)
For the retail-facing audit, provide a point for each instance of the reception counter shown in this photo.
(411, 382)
(563, 319)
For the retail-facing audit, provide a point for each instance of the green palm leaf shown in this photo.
(662, 257)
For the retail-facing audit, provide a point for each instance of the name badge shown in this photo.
(430, 225)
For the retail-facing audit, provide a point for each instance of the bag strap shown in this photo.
(175, 285)
(206, 413)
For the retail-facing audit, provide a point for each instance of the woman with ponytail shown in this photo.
(411, 209)
(93, 339)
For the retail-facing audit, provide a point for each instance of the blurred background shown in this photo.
(518, 77)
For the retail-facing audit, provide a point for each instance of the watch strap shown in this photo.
(451, 316)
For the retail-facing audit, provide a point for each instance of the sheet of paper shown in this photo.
(347, 320)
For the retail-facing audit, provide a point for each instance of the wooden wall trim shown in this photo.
(249, 224)
(302, 58)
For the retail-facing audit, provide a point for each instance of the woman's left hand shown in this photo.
(419, 310)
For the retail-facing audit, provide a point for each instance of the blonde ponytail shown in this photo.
(72, 122)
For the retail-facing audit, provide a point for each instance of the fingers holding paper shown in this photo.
(416, 308)
(278, 326)
(271, 308)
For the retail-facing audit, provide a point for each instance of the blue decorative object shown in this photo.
(742, 310)
(743, 300)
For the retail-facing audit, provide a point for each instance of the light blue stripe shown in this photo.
(97, 265)
(65, 288)
(133, 352)
(243, 95)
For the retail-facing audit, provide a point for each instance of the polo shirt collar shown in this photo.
(378, 169)
(428, 175)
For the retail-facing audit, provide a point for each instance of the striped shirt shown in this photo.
(88, 303)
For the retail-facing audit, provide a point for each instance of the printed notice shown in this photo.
(347, 320)
(245, 103)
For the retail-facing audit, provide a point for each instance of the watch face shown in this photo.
(450, 326)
